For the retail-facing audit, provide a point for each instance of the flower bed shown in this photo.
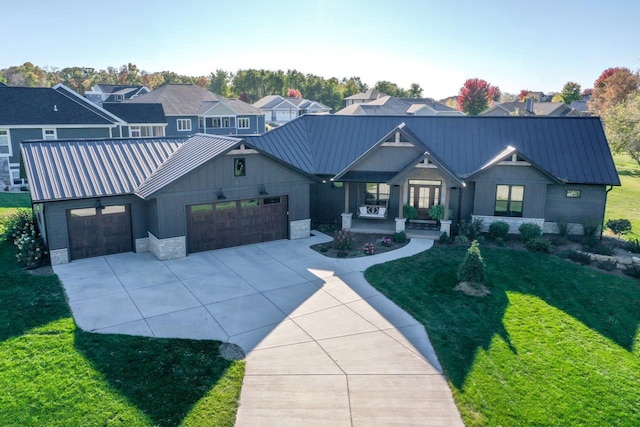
(360, 244)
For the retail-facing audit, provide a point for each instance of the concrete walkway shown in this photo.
(324, 347)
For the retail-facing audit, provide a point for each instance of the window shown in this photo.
(225, 205)
(134, 131)
(145, 131)
(226, 122)
(509, 200)
(243, 123)
(271, 201)
(5, 147)
(249, 203)
(184, 125)
(574, 194)
(239, 167)
(49, 133)
(202, 208)
(108, 210)
(377, 193)
(119, 98)
(83, 212)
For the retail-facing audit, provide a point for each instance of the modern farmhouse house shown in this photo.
(175, 196)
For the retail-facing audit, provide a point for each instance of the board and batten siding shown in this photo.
(387, 159)
(586, 209)
(534, 182)
(202, 184)
(55, 214)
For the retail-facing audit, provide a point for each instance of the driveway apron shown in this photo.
(324, 348)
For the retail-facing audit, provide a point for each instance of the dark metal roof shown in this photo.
(74, 169)
(195, 152)
(137, 113)
(573, 149)
(45, 106)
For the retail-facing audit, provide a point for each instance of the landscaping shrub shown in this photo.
(385, 241)
(606, 265)
(399, 237)
(579, 257)
(436, 212)
(498, 230)
(369, 248)
(31, 249)
(563, 228)
(444, 238)
(461, 240)
(14, 224)
(472, 268)
(619, 226)
(342, 239)
(342, 254)
(633, 271)
(633, 245)
(590, 230)
(328, 228)
(409, 211)
(539, 244)
(599, 248)
(471, 229)
(529, 231)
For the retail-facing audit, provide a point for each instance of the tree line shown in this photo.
(248, 85)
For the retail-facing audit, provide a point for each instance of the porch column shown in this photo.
(445, 224)
(346, 197)
(401, 202)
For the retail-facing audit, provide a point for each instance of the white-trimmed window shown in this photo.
(134, 131)
(509, 200)
(243, 123)
(49, 134)
(145, 131)
(5, 142)
(184, 125)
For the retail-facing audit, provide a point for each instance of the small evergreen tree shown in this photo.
(472, 268)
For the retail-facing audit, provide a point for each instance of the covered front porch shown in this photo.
(388, 227)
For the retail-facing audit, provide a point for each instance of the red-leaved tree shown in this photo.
(523, 95)
(294, 93)
(476, 95)
(612, 87)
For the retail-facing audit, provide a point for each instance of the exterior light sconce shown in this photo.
(220, 194)
(263, 191)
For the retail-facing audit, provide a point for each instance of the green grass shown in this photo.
(624, 201)
(554, 343)
(54, 374)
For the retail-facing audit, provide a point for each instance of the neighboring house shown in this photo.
(175, 196)
(364, 97)
(280, 109)
(106, 93)
(581, 107)
(392, 106)
(142, 120)
(191, 109)
(531, 108)
(46, 113)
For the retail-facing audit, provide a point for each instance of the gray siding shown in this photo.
(535, 189)
(387, 159)
(588, 208)
(68, 133)
(56, 217)
(19, 135)
(201, 186)
(327, 203)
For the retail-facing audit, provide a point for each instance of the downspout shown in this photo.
(606, 194)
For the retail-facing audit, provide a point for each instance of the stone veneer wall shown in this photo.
(5, 174)
(299, 229)
(514, 222)
(59, 256)
(142, 245)
(171, 248)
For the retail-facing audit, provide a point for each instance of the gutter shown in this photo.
(606, 194)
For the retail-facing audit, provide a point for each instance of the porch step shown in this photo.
(423, 234)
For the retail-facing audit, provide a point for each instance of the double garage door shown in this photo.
(238, 222)
(99, 231)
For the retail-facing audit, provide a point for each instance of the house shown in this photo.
(531, 108)
(46, 113)
(392, 106)
(142, 120)
(280, 109)
(191, 109)
(105, 93)
(175, 196)
(364, 97)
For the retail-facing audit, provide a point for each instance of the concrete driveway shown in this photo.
(323, 346)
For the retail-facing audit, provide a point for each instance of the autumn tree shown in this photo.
(294, 93)
(622, 126)
(587, 92)
(476, 95)
(612, 87)
(524, 94)
(570, 92)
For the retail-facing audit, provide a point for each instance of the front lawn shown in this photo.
(54, 374)
(624, 201)
(554, 344)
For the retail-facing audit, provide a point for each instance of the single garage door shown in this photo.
(234, 223)
(99, 231)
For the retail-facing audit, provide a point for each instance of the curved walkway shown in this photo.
(324, 347)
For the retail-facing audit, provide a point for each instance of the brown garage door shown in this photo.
(95, 232)
(238, 222)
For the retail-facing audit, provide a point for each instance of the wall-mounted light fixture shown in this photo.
(263, 191)
(220, 194)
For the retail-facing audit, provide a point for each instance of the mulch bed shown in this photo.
(358, 242)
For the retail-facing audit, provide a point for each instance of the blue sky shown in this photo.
(536, 45)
